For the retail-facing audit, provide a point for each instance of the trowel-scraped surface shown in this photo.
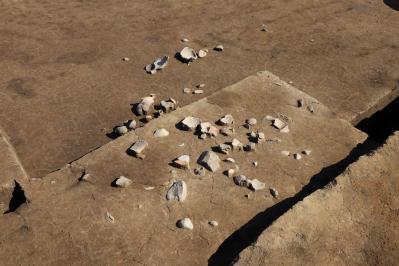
(354, 222)
(68, 222)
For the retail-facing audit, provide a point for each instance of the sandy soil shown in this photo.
(63, 84)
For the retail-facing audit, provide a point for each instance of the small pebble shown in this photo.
(251, 121)
(187, 90)
(185, 224)
(202, 53)
(285, 153)
(125, 59)
(122, 182)
(307, 152)
(109, 218)
(219, 48)
(131, 124)
(255, 164)
(274, 192)
(184, 40)
(311, 109)
(229, 160)
(198, 91)
(121, 130)
(297, 156)
(202, 85)
(213, 223)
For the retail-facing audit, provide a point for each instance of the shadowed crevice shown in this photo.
(18, 198)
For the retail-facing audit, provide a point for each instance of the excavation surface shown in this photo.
(67, 221)
(63, 84)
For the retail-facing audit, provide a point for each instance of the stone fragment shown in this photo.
(131, 124)
(187, 90)
(213, 223)
(227, 131)
(190, 123)
(270, 118)
(251, 122)
(203, 136)
(149, 188)
(255, 185)
(200, 86)
(199, 171)
(177, 191)
(148, 118)
(307, 152)
(144, 106)
(285, 153)
(241, 180)
(184, 40)
(274, 192)
(285, 129)
(219, 48)
(185, 224)
(279, 124)
(109, 218)
(198, 91)
(168, 105)
(229, 160)
(224, 148)
(237, 145)
(311, 108)
(85, 177)
(210, 161)
(122, 182)
(138, 147)
(202, 53)
(188, 54)
(182, 162)
(263, 28)
(122, 130)
(226, 120)
(250, 147)
(208, 129)
(297, 156)
(158, 64)
(161, 132)
(300, 103)
(125, 59)
(230, 172)
(255, 164)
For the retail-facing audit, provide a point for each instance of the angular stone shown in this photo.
(177, 191)
(123, 182)
(131, 124)
(219, 48)
(237, 145)
(161, 132)
(109, 217)
(199, 171)
(226, 120)
(138, 147)
(213, 223)
(144, 105)
(241, 180)
(187, 90)
(297, 156)
(224, 148)
(279, 124)
(122, 130)
(250, 147)
(182, 162)
(255, 185)
(229, 160)
(185, 224)
(227, 131)
(274, 192)
(188, 54)
(307, 152)
(251, 121)
(285, 153)
(190, 123)
(209, 160)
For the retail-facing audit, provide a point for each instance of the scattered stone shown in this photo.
(109, 218)
(226, 120)
(279, 124)
(213, 223)
(230, 172)
(200, 86)
(202, 53)
(297, 156)
(264, 28)
(307, 152)
(160, 133)
(285, 153)
(255, 164)
(185, 224)
(251, 122)
(158, 64)
(208, 129)
(199, 171)
(85, 177)
(210, 161)
(144, 105)
(177, 191)
(241, 180)
(224, 148)
(138, 147)
(122, 130)
(198, 91)
(219, 48)
(203, 136)
(274, 192)
(122, 182)
(285, 129)
(311, 108)
(250, 147)
(270, 118)
(168, 105)
(131, 124)
(257, 137)
(184, 40)
(149, 188)
(181, 145)
(187, 90)
(188, 54)
(182, 162)
(255, 185)
(148, 118)
(227, 131)
(237, 145)
(125, 59)
(190, 123)
(300, 103)
(229, 160)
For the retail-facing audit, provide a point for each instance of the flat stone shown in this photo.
(185, 224)
(123, 182)
(224, 148)
(161, 132)
(190, 123)
(182, 162)
(199, 171)
(198, 91)
(177, 191)
(279, 124)
(200, 86)
(138, 147)
(255, 185)
(210, 161)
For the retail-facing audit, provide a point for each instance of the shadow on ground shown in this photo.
(394, 4)
(229, 250)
